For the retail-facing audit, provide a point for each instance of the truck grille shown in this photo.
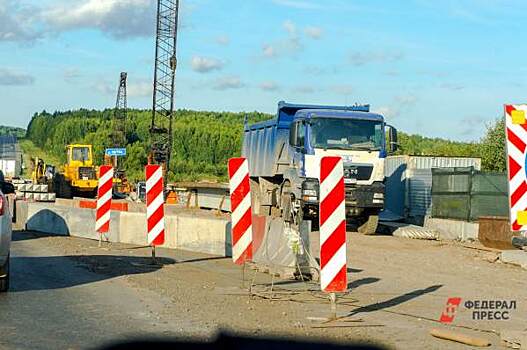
(86, 173)
(359, 172)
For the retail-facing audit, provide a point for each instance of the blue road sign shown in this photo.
(116, 152)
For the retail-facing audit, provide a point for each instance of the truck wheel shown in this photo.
(4, 281)
(370, 226)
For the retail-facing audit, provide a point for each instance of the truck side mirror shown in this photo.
(293, 132)
(392, 136)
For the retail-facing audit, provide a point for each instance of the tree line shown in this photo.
(11, 130)
(204, 141)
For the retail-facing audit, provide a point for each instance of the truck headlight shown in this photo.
(378, 195)
(310, 190)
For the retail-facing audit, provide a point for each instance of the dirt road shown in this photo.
(67, 292)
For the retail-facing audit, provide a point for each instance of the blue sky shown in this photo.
(437, 68)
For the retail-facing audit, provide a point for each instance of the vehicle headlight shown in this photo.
(310, 188)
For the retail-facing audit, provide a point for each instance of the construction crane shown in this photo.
(119, 116)
(164, 83)
(120, 182)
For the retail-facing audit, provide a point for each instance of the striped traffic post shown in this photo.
(155, 211)
(104, 200)
(241, 214)
(332, 216)
(516, 131)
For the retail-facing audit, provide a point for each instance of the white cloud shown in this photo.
(286, 47)
(290, 27)
(223, 40)
(359, 58)
(9, 77)
(313, 32)
(227, 83)
(141, 88)
(400, 104)
(16, 22)
(269, 86)
(205, 64)
(117, 18)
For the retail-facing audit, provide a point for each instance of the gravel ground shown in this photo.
(397, 290)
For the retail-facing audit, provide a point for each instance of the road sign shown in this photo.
(116, 152)
(155, 211)
(332, 216)
(516, 131)
(104, 199)
(241, 217)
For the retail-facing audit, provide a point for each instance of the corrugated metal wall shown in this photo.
(409, 182)
(395, 191)
(10, 156)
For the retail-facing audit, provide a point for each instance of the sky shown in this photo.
(435, 68)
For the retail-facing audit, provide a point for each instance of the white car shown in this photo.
(5, 234)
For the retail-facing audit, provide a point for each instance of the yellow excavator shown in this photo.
(42, 173)
(79, 176)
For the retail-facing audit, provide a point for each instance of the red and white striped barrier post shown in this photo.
(332, 216)
(241, 216)
(104, 200)
(516, 131)
(155, 211)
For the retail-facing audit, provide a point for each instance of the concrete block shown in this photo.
(453, 229)
(171, 231)
(515, 257)
(132, 228)
(20, 215)
(59, 220)
(81, 223)
(47, 219)
(203, 234)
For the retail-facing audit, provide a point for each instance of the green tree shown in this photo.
(493, 154)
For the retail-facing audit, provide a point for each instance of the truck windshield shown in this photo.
(81, 154)
(336, 133)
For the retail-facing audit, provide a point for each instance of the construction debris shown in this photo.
(459, 337)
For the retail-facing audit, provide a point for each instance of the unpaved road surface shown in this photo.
(69, 293)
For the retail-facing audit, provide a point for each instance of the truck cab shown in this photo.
(284, 159)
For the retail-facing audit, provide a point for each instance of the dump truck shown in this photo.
(284, 156)
(79, 175)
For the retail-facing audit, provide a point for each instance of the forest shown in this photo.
(203, 141)
(10, 130)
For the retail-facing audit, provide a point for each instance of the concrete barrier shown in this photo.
(453, 229)
(193, 231)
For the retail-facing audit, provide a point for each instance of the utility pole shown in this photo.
(164, 83)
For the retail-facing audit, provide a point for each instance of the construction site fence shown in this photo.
(467, 194)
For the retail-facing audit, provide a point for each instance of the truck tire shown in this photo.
(4, 281)
(370, 226)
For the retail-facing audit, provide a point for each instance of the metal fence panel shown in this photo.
(467, 194)
(420, 196)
